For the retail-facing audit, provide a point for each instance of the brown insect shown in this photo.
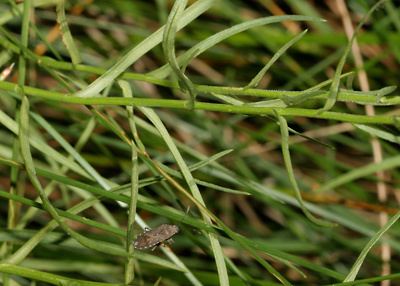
(154, 237)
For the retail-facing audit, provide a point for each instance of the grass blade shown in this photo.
(379, 133)
(361, 172)
(71, 150)
(133, 55)
(134, 191)
(357, 264)
(213, 40)
(66, 33)
(48, 277)
(334, 89)
(256, 80)
(215, 245)
(169, 49)
(292, 179)
(30, 168)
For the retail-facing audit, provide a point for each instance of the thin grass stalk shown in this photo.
(134, 191)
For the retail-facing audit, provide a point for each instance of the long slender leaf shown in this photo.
(334, 89)
(357, 264)
(66, 33)
(133, 55)
(292, 179)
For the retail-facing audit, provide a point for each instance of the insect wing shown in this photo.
(152, 238)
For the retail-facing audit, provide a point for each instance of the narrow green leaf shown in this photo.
(30, 168)
(84, 137)
(210, 159)
(357, 264)
(168, 45)
(24, 41)
(227, 99)
(106, 79)
(334, 89)
(41, 146)
(379, 133)
(289, 169)
(370, 280)
(360, 172)
(62, 213)
(211, 41)
(158, 261)
(134, 191)
(48, 277)
(71, 150)
(66, 33)
(215, 245)
(257, 78)
(294, 100)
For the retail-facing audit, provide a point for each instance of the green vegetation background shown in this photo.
(245, 123)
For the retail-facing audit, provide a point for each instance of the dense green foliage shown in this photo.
(247, 124)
